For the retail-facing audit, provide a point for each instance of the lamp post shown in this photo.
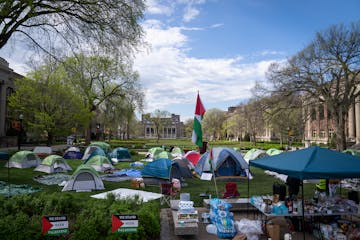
(21, 117)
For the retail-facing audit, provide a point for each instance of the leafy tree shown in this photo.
(159, 119)
(213, 123)
(111, 26)
(327, 70)
(235, 125)
(189, 123)
(99, 80)
(47, 102)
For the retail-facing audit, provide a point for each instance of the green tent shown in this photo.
(53, 164)
(23, 159)
(177, 152)
(99, 163)
(103, 145)
(273, 151)
(163, 154)
(154, 151)
(85, 178)
(253, 154)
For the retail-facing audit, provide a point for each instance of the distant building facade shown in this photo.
(170, 128)
(7, 77)
(319, 127)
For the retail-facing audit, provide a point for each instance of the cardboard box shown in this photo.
(273, 231)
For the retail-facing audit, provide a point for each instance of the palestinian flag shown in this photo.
(199, 114)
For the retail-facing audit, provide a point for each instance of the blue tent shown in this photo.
(225, 162)
(73, 153)
(120, 154)
(312, 163)
(162, 168)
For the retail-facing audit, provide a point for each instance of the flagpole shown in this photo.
(213, 172)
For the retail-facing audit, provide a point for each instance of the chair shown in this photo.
(231, 190)
(166, 189)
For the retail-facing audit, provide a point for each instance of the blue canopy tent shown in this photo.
(311, 163)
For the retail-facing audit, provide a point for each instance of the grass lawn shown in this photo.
(261, 184)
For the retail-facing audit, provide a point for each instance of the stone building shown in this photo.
(319, 127)
(7, 77)
(171, 127)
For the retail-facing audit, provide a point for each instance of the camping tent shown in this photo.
(161, 168)
(42, 151)
(273, 151)
(53, 164)
(93, 151)
(163, 154)
(177, 152)
(193, 157)
(99, 163)
(312, 163)
(185, 167)
(85, 178)
(253, 154)
(120, 155)
(154, 151)
(226, 162)
(23, 159)
(73, 153)
(103, 145)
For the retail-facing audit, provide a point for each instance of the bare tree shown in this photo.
(110, 25)
(159, 119)
(327, 70)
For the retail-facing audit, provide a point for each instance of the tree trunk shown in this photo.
(339, 125)
(88, 135)
(50, 139)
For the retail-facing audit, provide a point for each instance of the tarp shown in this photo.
(193, 157)
(120, 155)
(99, 163)
(124, 193)
(23, 159)
(53, 164)
(225, 162)
(85, 178)
(73, 153)
(312, 163)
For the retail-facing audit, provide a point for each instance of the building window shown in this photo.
(313, 114)
(321, 112)
(331, 133)
(314, 133)
(322, 133)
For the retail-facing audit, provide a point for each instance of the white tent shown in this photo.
(84, 179)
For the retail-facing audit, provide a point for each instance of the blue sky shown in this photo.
(218, 47)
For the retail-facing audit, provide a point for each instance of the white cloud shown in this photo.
(170, 75)
(190, 14)
(155, 7)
